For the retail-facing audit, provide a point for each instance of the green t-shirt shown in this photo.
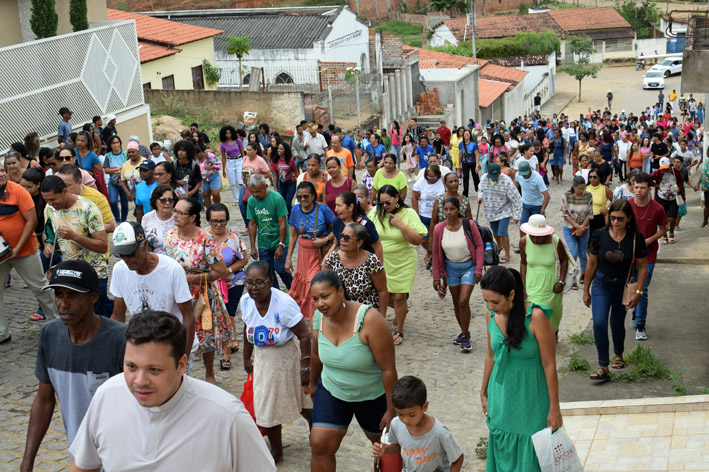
(266, 213)
(399, 182)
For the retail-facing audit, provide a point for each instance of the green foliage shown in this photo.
(704, 391)
(644, 366)
(211, 73)
(481, 448)
(521, 44)
(459, 6)
(580, 46)
(643, 17)
(121, 5)
(545, 42)
(578, 364)
(581, 338)
(240, 47)
(78, 15)
(679, 387)
(523, 9)
(44, 19)
(409, 34)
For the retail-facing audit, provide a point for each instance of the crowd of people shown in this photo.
(338, 221)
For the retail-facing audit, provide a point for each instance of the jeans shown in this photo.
(242, 206)
(101, 306)
(396, 150)
(116, 193)
(577, 246)
(233, 174)
(641, 310)
(648, 165)
(467, 169)
(287, 191)
(277, 266)
(607, 297)
(529, 210)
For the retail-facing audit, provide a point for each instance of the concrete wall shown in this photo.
(348, 41)
(457, 87)
(281, 110)
(695, 65)
(10, 32)
(135, 124)
(442, 35)
(179, 65)
(514, 103)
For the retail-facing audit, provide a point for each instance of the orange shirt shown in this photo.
(13, 203)
(346, 160)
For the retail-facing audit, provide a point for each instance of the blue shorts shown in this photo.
(215, 183)
(330, 412)
(529, 210)
(458, 273)
(427, 223)
(500, 227)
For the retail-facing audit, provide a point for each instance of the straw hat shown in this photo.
(537, 226)
(312, 127)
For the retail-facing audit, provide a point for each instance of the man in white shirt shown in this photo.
(145, 281)
(315, 142)
(153, 417)
(622, 147)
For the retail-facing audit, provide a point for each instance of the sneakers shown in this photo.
(459, 339)
(632, 324)
(465, 344)
(640, 334)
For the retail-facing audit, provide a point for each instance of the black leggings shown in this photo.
(469, 168)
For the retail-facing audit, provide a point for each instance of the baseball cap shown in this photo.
(63, 110)
(524, 168)
(77, 275)
(110, 118)
(665, 163)
(127, 237)
(493, 171)
(134, 138)
(147, 165)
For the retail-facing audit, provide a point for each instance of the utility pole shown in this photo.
(471, 20)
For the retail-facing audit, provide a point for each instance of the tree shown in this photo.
(643, 17)
(459, 6)
(44, 19)
(78, 15)
(240, 47)
(582, 46)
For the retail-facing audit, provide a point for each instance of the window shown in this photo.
(147, 86)
(246, 79)
(197, 78)
(284, 78)
(168, 83)
(363, 62)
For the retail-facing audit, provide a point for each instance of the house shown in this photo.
(290, 45)
(540, 78)
(15, 19)
(378, 9)
(604, 25)
(171, 53)
(454, 30)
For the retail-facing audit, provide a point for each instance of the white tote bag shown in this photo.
(556, 452)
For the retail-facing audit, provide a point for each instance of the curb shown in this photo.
(686, 261)
(637, 405)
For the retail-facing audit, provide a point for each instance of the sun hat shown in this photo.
(537, 226)
(312, 127)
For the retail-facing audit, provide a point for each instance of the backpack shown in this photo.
(491, 258)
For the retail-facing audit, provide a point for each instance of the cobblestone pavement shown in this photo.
(453, 378)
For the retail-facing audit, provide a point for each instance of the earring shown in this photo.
(397, 206)
(344, 305)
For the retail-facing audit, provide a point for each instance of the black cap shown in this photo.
(77, 275)
(147, 165)
(63, 110)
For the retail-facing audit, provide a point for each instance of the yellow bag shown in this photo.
(206, 315)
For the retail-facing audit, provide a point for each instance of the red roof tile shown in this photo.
(163, 31)
(429, 59)
(584, 19)
(151, 51)
(489, 91)
(502, 26)
(502, 74)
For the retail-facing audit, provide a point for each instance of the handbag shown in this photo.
(203, 311)
(247, 398)
(555, 451)
(631, 285)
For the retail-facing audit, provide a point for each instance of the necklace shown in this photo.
(647, 209)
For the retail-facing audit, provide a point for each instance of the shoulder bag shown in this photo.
(631, 285)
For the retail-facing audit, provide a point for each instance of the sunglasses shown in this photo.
(218, 222)
(166, 201)
(619, 219)
(179, 213)
(345, 238)
(302, 197)
(593, 177)
(65, 158)
(385, 202)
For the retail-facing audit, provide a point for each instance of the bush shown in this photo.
(44, 19)
(78, 15)
(644, 366)
(519, 45)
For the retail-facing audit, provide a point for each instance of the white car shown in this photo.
(669, 66)
(653, 79)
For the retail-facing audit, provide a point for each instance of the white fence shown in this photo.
(93, 72)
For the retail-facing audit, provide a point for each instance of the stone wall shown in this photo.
(281, 110)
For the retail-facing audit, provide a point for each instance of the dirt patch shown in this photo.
(167, 127)
(160, 5)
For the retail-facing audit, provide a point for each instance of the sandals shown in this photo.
(224, 364)
(398, 338)
(618, 363)
(574, 286)
(504, 260)
(664, 241)
(672, 238)
(601, 374)
(37, 317)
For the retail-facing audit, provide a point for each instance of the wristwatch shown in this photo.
(305, 369)
(562, 282)
(281, 244)
(229, 270)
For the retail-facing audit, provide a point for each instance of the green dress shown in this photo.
(518, 400)
(541, 278)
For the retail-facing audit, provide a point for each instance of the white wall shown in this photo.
(347, 41)
(457, 87)
(514, 103)
(442, 36)
(649, 46)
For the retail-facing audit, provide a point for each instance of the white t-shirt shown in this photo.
(119, 434)
(429, 192)
(533, 162)
(156, 230)
(623, 149)
(444, 171)
(162, 289)
(274, 328)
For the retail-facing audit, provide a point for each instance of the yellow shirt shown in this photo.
(673, 96)
(98, 199)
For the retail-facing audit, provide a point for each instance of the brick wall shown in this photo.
(378, 9)
(333, 73)
(428, 103)
(375, 9)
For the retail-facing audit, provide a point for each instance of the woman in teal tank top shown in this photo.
(353, 370)
(519, 394)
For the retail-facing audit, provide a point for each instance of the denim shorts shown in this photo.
(500, 227)
(427, 223)
(459, 273)
(529, 210)
(215, 183)
(330, 412)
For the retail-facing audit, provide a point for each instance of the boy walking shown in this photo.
(425, 444)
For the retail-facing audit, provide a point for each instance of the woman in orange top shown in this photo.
(637, 158)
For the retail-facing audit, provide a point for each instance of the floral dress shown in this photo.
(196, 256)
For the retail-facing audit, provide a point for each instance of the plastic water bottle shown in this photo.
(488, 253)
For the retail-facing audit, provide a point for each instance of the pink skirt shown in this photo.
(308, 265)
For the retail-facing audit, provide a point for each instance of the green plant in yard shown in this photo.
(240, 47)
(481, 448)
(643, 365)
(455, 6)
(580, 46)
(523, 9)
(679, 387)
(578, 364)
(409, 34)
(78, 15)
(643, 17)
(705, 391)
(44, 19)
(521, 44)
(211, 73)
(581, 339)
(172, 107)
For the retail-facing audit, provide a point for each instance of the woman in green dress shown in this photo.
(538, 266)
(399, 229)
(520, 391)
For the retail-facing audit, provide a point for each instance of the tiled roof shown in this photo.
(589, 19)
(151, 51)
(282, 31)
(429, 59)
(489, 91)
(610, 34)
(516, 61)
(501, 26)
(502, 74)
(163, 31)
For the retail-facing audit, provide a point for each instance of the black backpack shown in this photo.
(491, 258)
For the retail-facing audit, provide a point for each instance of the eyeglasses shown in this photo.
(218, 222)
(166, 201)
(431, 177)
(386, 202)
(303, 197)
(255, 284)
(345, 238)
(619, 219)
(158, 174)
(179, 213)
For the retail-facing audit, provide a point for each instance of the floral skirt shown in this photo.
(219, 337)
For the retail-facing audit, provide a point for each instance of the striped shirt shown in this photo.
(579, 209)
(500, 199)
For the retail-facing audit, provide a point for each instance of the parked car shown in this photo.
(653, 79)
(669, 66)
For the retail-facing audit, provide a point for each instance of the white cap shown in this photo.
(134, 138)
(110, 118)
(665, 163)
(127, 237)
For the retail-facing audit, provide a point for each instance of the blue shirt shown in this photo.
(305, 222)
(143, 192)
(532, 188)
(64, 130)
(423, 155)
(470, 149)
(88, 161)
(339, 226)
(349, 143)
(376, 152)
